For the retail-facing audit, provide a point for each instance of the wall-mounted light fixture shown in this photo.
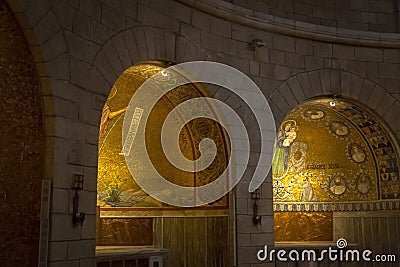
(256, 195)
(333, 102)
(77, 218)
(257, 43)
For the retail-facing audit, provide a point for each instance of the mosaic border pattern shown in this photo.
(338, 206)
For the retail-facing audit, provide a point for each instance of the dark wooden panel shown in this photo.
(158, 231)
(142, 262)
(190, 239)
(349, 232)
(174, 241)
(367, 233)
(98, 226)
(393, 235)
(126, 231)
(358, 233)
(131, 263)
(117, 263)
(384, 234)
(196, 242)
(177, 241)
(103, 264)
(378, 232)
(218, 241)
(166, 235)
(338, 225)
(212, 255)
(193, 241)
(226, 241)
(376, 235)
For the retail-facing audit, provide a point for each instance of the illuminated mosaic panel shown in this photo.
(303, 226)
(125, 231)
(331, 156)
(321, 156)
(116, 186)
(335, 154)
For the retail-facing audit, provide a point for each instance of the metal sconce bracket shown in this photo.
(255, 195)
(256, 43)
(77, 218)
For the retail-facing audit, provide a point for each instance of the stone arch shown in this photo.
(30, 44)
(325, 82)
(146, 42)
(42, 29)
(46, 41)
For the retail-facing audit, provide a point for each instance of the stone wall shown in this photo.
(81, 47)
(362, 15)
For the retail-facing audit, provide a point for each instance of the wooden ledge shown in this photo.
(127, 252)
(311, 244)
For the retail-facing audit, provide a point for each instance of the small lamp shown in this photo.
(332, 103)
(256, 43)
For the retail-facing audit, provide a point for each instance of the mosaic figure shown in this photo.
(307, 193)
(297, 157)
(363, 184)
(339, 129)
(337, 186)
(286, 136)
(314, 114)
(357, 154)
(106, 116)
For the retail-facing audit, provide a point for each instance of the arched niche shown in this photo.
(333, 155)
(127, 214)
(116, 186)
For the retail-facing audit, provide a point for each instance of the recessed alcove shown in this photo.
(128, 218)
(335, 175)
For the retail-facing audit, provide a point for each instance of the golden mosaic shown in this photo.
(331, 155)
(116, 186)
(321, 156)
(303, 226)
